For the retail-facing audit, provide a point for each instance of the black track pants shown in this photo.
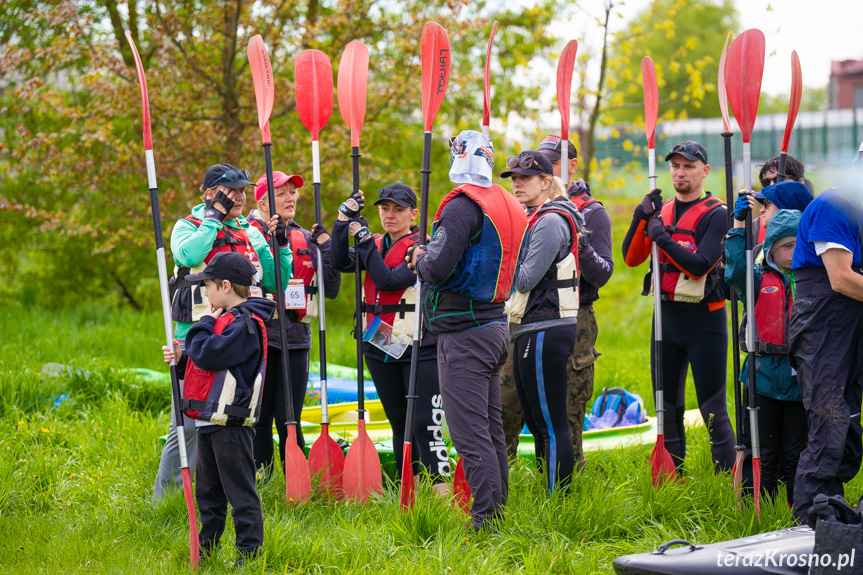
(540, 365)
(273, 404)
(694, 335)
(826, 349)
(391, 382)
(782, 432)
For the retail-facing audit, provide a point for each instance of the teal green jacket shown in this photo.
(774, 377)
(190, 244)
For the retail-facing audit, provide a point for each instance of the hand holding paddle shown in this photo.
(166, 308)
(743, 74)
(362, 475)
(661, 465)
(435, 78)
(297, 479)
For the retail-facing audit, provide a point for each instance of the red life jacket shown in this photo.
(677, 285)
(303, 268)
(772, 314)
(214, 396)
(583, 200)
(394, 307)
(487, 270)
(189, 302)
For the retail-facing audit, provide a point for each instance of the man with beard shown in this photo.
(688, 230)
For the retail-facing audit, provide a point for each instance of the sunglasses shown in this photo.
(689, 149)
(769, 181)
(234, 175)
(523, 160)
(388, 194)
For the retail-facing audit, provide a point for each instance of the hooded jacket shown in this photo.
(773, 372)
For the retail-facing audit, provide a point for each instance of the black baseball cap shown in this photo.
(550, 146)
(401, 194)
(231, 266)
(226, 175)
(527, 163)
(690, 150)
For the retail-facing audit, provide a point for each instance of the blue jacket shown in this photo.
(773, 373)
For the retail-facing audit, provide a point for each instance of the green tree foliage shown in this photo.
(73, 179)
(685, 41)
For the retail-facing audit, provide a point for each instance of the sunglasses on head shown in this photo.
(389, 194)
(523, 160)
(689, 149)
(234, 175)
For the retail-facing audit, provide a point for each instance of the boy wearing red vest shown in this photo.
(223, 382)
(781, 416)
(688, 230)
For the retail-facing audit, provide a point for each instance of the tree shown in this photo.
(70, 131)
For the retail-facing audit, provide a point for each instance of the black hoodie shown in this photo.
(237, 348)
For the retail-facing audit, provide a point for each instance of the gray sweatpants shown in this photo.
(469, 364)
(169, 477)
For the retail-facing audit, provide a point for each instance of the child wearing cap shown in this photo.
(304, 245)
(782, 422)
(224, 374)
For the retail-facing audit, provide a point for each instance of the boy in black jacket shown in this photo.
(222, 392)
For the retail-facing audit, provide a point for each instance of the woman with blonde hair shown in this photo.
(543, 309)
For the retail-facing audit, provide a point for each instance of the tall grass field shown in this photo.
(79, 453)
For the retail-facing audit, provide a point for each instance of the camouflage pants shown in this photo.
(579, 374)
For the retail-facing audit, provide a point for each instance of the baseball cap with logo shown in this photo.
(550, 147)
(279, 179)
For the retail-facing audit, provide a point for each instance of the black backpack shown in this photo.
(838, 536)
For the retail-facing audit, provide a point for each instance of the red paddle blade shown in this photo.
(721, 91)
(661, 465)
(744, 68)
(190, 508)
(486, 87)
(362, 467)
(794, 102)
(756, 484)
(460, 488)
(145, 105)
(313, 86)
(352, 86)
(565, 68)
(298, 483)
(407, 495)
(435, 71)
(327, 460)
(651, 99)
(262, 76)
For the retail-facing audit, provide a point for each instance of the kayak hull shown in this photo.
(783, 552)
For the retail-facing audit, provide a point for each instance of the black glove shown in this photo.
(281, 232)
(359, 228)
(352, 206)
(212, 212)
(649, 205)
(318, 232)
(655, 228)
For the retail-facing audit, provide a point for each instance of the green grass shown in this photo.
(76, 478)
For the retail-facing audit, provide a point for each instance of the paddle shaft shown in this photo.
(735, 328)
(322, 320)
(358, 296)
(415, 350)
(750, 308)
(280, 292)
(657, 311)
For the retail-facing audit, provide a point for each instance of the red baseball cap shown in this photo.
(279, 179)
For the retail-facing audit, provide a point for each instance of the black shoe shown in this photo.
(243, 558)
